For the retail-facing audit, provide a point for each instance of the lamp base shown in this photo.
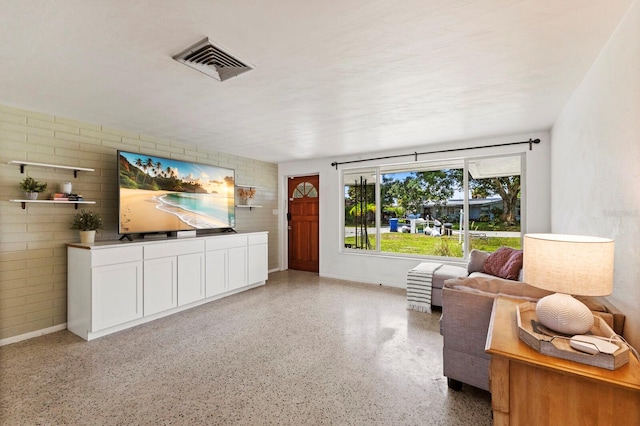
(562, 313)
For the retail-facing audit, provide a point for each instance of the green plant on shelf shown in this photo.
(29, 184)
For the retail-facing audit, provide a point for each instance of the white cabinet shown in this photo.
(104, 288)
(174, 274)
(190, 277)
(116, 285)
(257, 265)
(216, 272)
(228, 270)
(237, 261)
(116, 294)
(160, 284)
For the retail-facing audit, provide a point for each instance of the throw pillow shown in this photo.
(505, 262)
(476, 260)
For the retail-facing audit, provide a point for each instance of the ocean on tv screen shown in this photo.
(158, 194)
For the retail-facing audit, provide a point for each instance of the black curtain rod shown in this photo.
(415, 154)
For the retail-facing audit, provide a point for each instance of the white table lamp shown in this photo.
(569, 265)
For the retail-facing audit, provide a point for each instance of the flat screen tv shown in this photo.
(158, 194)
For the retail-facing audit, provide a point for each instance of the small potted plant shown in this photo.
(32, 187)
(87, 222)
(247, 194)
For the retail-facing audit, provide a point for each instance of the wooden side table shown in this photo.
(528, 388)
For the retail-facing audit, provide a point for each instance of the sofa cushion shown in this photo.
(476, 260)
(505, 262)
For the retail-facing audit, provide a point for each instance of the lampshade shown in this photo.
(570, 264)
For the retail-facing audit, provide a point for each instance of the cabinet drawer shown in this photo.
(112, 256)
(173, 248)
(218, 243)
(258, 239)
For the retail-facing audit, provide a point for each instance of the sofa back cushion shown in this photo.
(476, 260)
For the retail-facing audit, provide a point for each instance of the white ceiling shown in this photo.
(331, 77)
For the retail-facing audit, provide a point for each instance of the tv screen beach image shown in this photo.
(160, 194)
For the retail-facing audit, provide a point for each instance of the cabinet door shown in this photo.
(190, 278)
(216, 272)
(116, 294)
(257, 268)
(160, 285)
(237, 267)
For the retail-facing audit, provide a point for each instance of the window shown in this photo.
(419, 208)
(305, 189)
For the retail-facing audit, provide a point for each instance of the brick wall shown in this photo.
(33, 270)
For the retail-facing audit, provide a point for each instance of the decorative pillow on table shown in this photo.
(476, 260)
(505, 262)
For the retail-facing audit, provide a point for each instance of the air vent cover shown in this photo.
(212, 61)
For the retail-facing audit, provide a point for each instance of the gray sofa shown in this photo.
(466, 310)
(473, 268)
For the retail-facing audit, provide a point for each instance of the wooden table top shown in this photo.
(503, 340)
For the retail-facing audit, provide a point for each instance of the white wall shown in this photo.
(595, 173)
(390, 270)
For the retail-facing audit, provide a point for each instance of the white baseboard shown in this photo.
(32, 334)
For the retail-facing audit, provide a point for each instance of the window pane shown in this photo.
(421, 206)
(305, 189)
(494, 203)
(360, 209)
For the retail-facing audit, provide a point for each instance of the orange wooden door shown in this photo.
(303, 217)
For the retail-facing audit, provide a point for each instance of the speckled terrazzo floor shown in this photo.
(301, 350)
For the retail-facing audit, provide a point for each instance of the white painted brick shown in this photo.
(23, 128)
(41, 149)
(98, 134)
(12, 118)
(75, 123)
(123, 146)
(119, 132)
(10, 135)
(199, 156)
(154, 140)
(26, 113)
(167, 149)
(39, 115)
(134, 142)
(145, 145)
(42, 140)
(14, 246)
(76, 138)
(12, 154)
(10, 110)
(57, 127)
(180, 145)
(42, 244)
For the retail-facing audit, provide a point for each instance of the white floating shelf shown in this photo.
(244, 206)
(51, 202)
(241, 185)
(55, 166)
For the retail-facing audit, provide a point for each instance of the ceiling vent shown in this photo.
(212, 61)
